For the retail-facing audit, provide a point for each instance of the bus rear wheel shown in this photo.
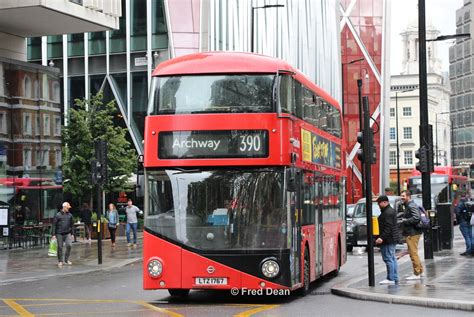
(177, 292)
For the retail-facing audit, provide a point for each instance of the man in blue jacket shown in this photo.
(390, 235)
(463, 218)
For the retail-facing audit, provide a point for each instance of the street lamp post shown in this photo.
(426, 139)
(342, 80)
(252, 17)
(398, 138)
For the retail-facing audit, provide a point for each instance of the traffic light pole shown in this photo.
(425, 139)
(359, 95)
(368, 159)
(99, 226)
(99, 177)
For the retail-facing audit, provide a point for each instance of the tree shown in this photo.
(91, 120)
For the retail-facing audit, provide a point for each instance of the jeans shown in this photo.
(412, 243)
(64, 238)
(466, 231)
(127, 232)
(112, 233)
(388, 256)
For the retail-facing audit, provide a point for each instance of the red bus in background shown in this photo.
(245, 178)
(31, 200)
(445, 183)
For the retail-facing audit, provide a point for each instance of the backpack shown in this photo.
(424, 219)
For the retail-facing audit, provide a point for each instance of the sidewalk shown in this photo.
(35, 264)
(448, 281)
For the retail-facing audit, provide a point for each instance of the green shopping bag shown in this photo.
(53, 247)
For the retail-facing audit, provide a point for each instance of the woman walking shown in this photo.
(113, 218)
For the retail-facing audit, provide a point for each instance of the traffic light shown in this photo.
(430, 149)
(96, 173)
(372, 149)
(360, 151)
(422, 155)
(101, 162)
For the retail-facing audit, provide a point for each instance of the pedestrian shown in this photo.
(86, 216)
(388, 191)
(463, 217)
(113, 218)
(62, 231)
(390, 235)
(132, 221)
(410, 218)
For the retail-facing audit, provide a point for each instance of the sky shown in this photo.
(442, 14)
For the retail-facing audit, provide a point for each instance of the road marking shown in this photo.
(93, 313)
(256, 308)
(251, 312)
(158, 309)
(18, 308)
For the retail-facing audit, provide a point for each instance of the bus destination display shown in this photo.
(213, 144)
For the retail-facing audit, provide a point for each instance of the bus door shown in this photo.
(319, 224)
(294, 214)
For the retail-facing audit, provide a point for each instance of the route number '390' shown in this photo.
(249, 143)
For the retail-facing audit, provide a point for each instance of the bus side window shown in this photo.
(298, 99)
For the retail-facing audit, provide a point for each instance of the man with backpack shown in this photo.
(463, 217)
(410, 220)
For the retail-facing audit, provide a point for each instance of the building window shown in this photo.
(56, 91)
(38, 125)
(45, 158)
(407, 134)
(57, 157)
(392, 112)
(57, 125)
(38, 158)
(27, 86)
(393, 135)
(408, 157)
(27, 159)
(392, 158)
(3, 122)
(27, 123)
(407, 111)
(46, 125)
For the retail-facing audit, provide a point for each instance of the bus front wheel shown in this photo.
(303, 291)
(178, 292)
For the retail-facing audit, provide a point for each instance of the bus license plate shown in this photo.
(362, 242)
(211, 281)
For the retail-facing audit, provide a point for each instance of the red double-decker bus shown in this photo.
(245, 179)
(445, 183)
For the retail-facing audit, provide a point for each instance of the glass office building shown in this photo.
(462, 85)
(31, 105)
(119, 61)
(320, 38)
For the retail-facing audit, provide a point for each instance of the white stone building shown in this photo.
(404, 106)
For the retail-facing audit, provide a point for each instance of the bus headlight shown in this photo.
(270, 268)
(349, 227)
(155, 268)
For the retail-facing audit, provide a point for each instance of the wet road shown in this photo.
(118, 292)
